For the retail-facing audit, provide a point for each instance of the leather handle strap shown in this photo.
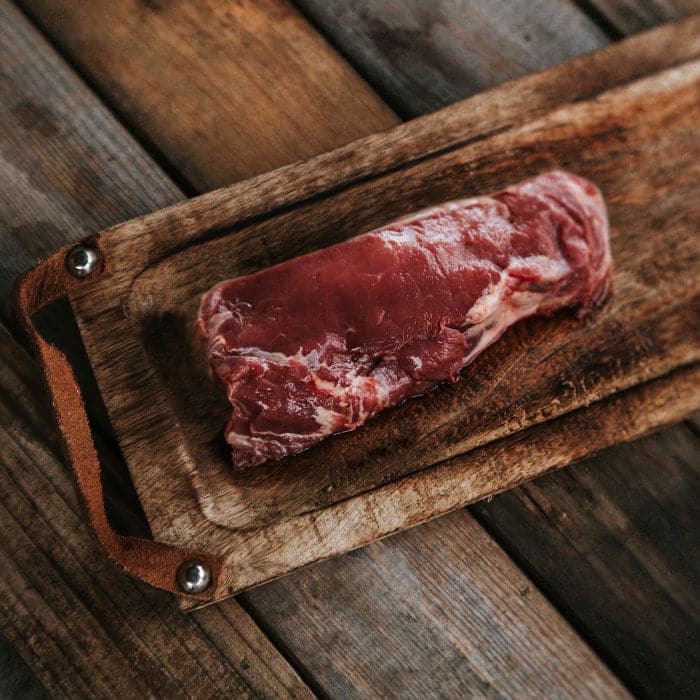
(156, 563)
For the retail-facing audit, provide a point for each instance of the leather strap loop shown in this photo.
(156, 563)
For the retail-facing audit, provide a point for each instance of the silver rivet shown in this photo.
(82, 261)
(193, 577)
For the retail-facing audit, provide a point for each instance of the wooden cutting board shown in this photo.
(550, 391)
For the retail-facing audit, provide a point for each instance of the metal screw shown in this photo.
(193, 577)
(82, 261)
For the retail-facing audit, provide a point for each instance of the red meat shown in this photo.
(321, 343)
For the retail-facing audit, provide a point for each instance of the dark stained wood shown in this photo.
(652, 207)
(424, 55)
(224, 90)
(17, 679)
(423, 588)
(631, 16)
(85, 630)
(236, 658)
(643, 653)
(538, 372)
(69, 169)
(630, 553)
(377, 650)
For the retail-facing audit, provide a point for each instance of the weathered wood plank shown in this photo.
(421, 600)
(68, 169)
(225, 626)
(224, 90)
(630, 552)
(645, 654)
(421, 56)
(85, 629)
(539, 374)
(376, 650)
(632, 16)
(16, 678)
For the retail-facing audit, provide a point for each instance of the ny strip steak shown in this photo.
(319, 344)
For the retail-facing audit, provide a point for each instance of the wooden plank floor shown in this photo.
(438, 610)
(221, 90)
(589, 520)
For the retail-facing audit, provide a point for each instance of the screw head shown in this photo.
(193, 577)
(82, 261)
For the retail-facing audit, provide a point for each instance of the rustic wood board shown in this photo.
(540, 373)
(609, 137)
(223, 90)
(57, 117)
(68, 168)
(644, 529)
(424, 55)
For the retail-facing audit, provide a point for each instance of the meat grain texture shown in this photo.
(321, 343)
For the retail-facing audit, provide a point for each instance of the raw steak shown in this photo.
(319, 344)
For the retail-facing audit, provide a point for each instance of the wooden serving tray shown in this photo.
(549, 392)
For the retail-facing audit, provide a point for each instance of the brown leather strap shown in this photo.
(154, 562)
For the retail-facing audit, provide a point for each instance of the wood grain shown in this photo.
(423, 588)
(631, 16)
(62, 604)
(642, 654)
(606, 126)
(245, 654)
(224, 90)
(68, 169)
(538, 372)
(627, 547)
(422, 56)
(377, 650)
